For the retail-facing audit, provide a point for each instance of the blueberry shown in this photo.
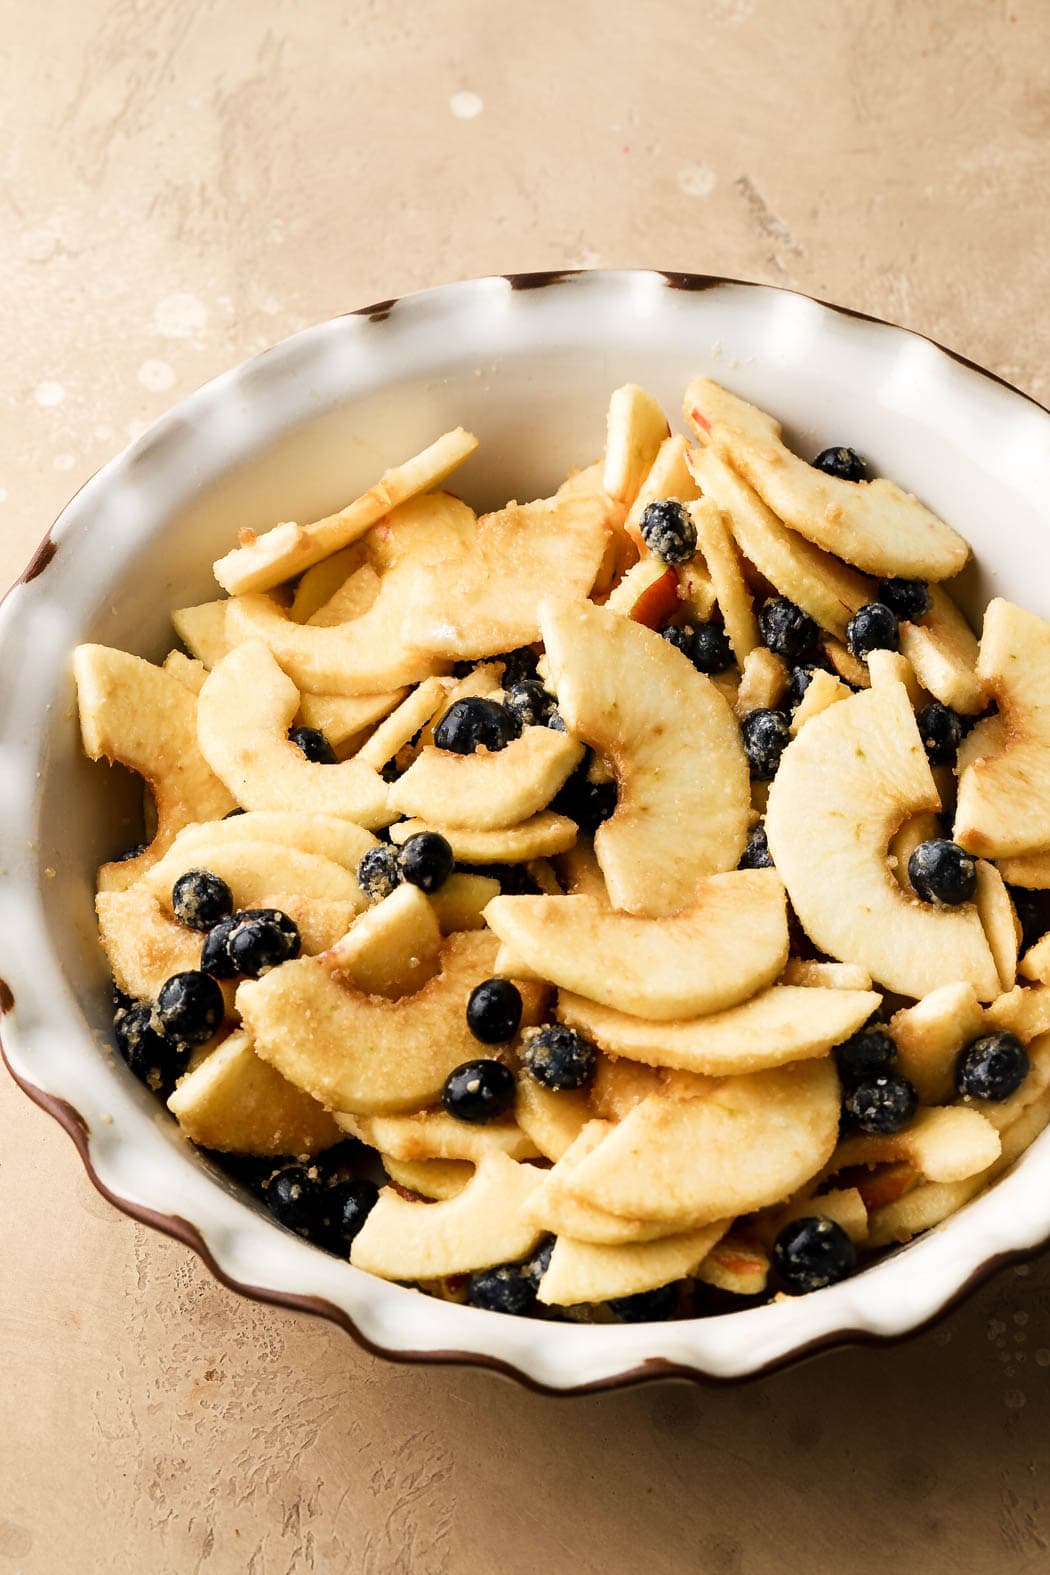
(537, 1266)
(668, 532)
(506, 1289)
(255, 945)
(680, 635)
(881, 1104)
(215, 956)
(293, 1197)
(587, 803)
(786, 629)
(799, 682)
(379, 872)
(494, 1011)
(479, 1091)
(845, 463)
(756, 855)
(189, 1007)
(909, 599)
(558, 1057)
(528, 703)
(940, 871)
(131, 853)
(648, 1306)
(873, 627)
(155, 1059)
(710, 651)
(426, 860)
(1031, 915)
(869, 1053)
(766, 734)
(813, 1252)
(556, 722)
(313, 744)
(517, 665)
(992, 1068)
(941, 730)
(341, 1210)
(200, 899)
(475, 723)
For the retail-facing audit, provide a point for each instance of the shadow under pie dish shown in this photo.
(377, 382)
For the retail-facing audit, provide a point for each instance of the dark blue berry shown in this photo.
(1031, 914)
(215, 956)
(505, 1289)
(881, 1105)
(668, 532)
(379, 872)
(710, 651)
(786, 629)
(559, 1057)
(255, 945)
(992, 1068)
(799, 682)
(475, 723)
(131, 853)
(756, 856)
(494, 1011)
(189, 1007)
(940, 871)
(537, 1266)
(648, 1306)
(199, 899)
(869, 1053)
(517, 665)
(680, 635)
(845, 463)
(341, 1210)
(873, 627)
(528, 703)
(766, 734)
(813, 1252)
(154, 1058)
(941, 730)
(587, 803)
(479, 1091)
(426, 860)
(909, 599)
(294, 1199)
(314, 745)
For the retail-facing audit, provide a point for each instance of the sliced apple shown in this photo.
(581, 874)
(353, 599)
(1035, 964)
(253, 870)
(488, 790)
(668, 477)
(189, 672)
(1004, 799)
(202, 630)
(946, 1143)
(363, 1053)
(238, 1104)
(785, 1023)
(261, 562)
(999, 920)
(727, 576)
(696, 591)
(636, 428)
(731, 942)
(557, 1212)
(536, 838)
(648, 593)
(875, 525)
(942, 650)
(893, 667)
(736, 1264)
(681, 771)
(490, 601)
(434, 1134)
(825, 975)
(143, 718)
(844, 1206)
(144, 945)
(582, 1272)
(403, 723)
(814, 580)
(391, 949)
(619, 1085)
(343, 719)
(461, 901)
(763, 681)
(552, 1120)
(844, 786)
(930, 1035)
(850, 668)
(483, 1225)
(822, 691)
(1031, 870)
(431, 1178)
(1022, 1011)
(344, 841)
(752, 1142)
(319, 584)
(243, 716)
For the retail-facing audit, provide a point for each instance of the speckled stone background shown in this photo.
(182, 184)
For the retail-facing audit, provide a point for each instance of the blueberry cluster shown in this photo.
(703, 644)
(425, 860)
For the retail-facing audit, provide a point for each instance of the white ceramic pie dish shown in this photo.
(527, 363)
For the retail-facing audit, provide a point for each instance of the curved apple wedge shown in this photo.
(750, 1143)
(488, 789)
(238, 1104)
(942, 649)
(252, 870)
(536, 838)
(875, 525)
(583, 1271)
(144, 945)
(483, 1225)
(343, 841)
(682, 776)
(731, 942)
(1003, 806)
(434, 1134)
(844, 786)
(785, 1023)
(554, 1208)
(140, 716)
(364, 1053)
(243, 715)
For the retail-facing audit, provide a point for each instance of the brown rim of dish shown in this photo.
(654, 1368)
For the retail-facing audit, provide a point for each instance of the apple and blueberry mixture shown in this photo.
(624, 905)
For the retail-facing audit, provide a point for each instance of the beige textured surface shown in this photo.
(183, 184)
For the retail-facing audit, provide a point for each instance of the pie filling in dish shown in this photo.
(623, 905)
